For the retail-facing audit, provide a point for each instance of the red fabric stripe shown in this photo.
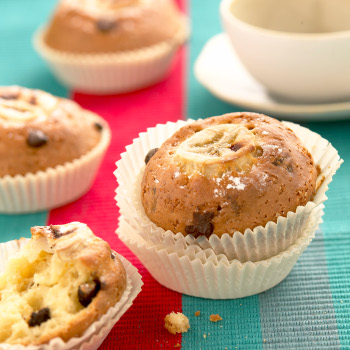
(128, 115)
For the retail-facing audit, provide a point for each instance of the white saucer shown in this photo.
(220, 71)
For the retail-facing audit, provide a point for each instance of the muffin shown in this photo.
(46, 143)
(100, 26)
(231, 264)
(64, 280)
(227, 174)
(99, 46)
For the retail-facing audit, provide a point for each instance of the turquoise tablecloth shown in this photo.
(311, 308)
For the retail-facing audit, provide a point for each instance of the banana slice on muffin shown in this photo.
(40, 131)
(58, 285)
(226, 174)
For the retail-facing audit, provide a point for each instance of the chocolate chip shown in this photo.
(57, 233)
(87, 291)
(235, 147)
(202, 225)
(9, 95)
(98, 126)
(32, 100)
(113, 256)
(150, 154)
(37, 318)
(36, 138)
(105, 25)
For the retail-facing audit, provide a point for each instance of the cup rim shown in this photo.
(228, 17)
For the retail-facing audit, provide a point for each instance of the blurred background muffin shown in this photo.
(113, 46)
(101, 26)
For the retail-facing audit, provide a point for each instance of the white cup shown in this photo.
(298, 49)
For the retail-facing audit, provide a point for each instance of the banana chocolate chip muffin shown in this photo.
(40, 131)
(58, 285)
(226, 174)
(110, 26)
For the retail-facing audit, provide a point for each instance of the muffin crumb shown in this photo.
(215, 318)
(177, 345)
(176, 323)
(197, 313)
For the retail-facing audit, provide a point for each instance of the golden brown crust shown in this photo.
(271, 175)
(95, 280)
(39, 131)
(76, 242)
(106, 27)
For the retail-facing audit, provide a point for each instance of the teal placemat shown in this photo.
(311, 308)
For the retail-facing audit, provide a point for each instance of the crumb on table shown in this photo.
(177, 345)
(215, 318)
(176, 323)
(197, 313)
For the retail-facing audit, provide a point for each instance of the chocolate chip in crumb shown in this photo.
(105, 25)
(236, 146)
(87, 291)
(57, 233)
(36, 138)
(37, 318)
(202, 225)
(9, 95)
(32, 100)
(98, 126)
(150, 154)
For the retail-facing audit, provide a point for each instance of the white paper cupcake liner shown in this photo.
(207, 275)
(112, 73)
(252, 245)
(98, 331)
(55, 186)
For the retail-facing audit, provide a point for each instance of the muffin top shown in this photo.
(107, 26)
(226, 174)
(62, 281)
(39, 131)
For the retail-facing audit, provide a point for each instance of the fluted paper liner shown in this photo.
(112, 72)
(252, 245)
(53, 187)
(98, 331)
(207, 275)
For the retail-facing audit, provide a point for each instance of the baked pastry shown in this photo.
(112, 46)
(58, 285)
(227, 174)
(109, 26)
(40, 131)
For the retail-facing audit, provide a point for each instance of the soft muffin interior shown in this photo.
(39, 293)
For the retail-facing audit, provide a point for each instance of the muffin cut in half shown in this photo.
(58, 285)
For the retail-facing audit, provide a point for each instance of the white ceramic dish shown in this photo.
(298, 49)
(219, 69)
